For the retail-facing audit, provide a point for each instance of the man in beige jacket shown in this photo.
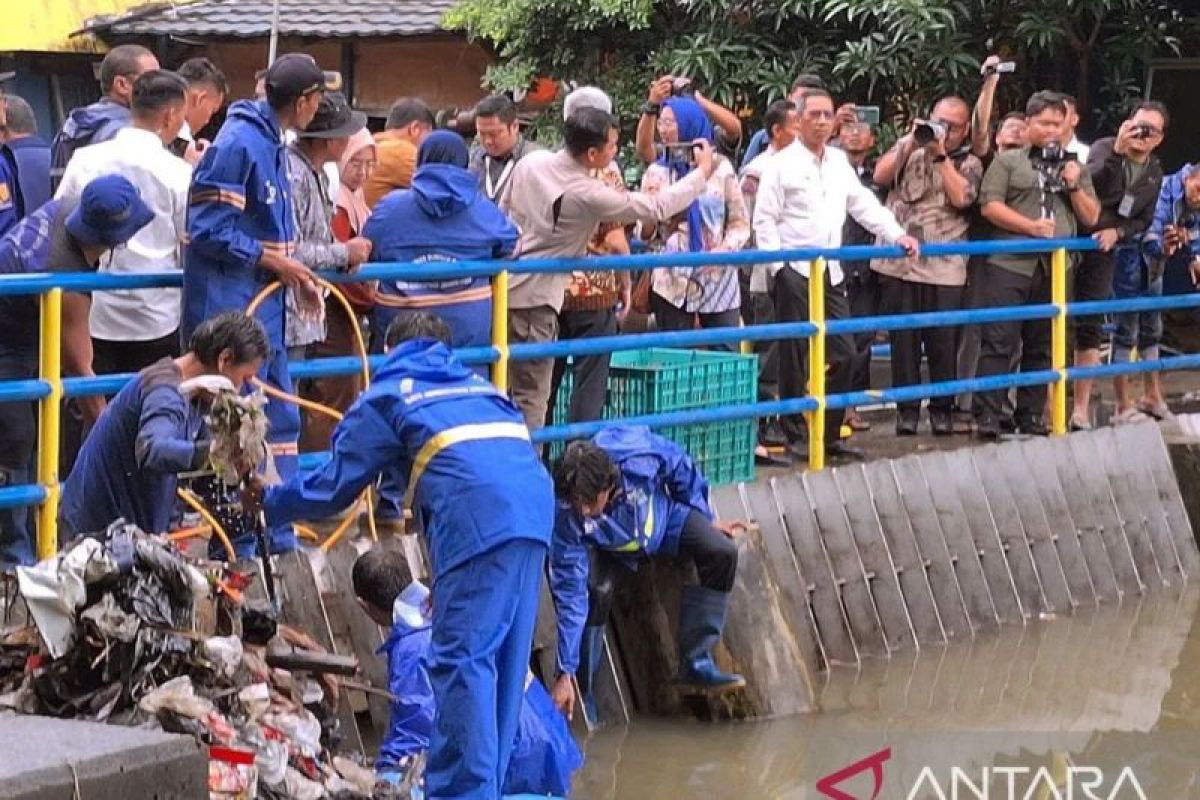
(556, 203)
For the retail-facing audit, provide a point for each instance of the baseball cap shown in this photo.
(334, 119)
(109, 213)
(297, 74)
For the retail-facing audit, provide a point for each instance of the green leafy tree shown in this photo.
(900, 54)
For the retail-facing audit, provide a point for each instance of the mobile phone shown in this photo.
(867, 114)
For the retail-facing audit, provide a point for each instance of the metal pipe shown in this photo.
(49, 421)
(816, 364)
(500, 330)
(1058, 342)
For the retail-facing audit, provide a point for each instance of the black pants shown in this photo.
(714, 554)
(1093, 281)
(940, 344)
(671, 318)
(110, 356)
(862, 290)
(589, 389)
(757, 309)
(999, 341)
(790, 293)
(18, 439)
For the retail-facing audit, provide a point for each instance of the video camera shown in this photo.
(1143, 131)
(1048, 160)
(1002, 68)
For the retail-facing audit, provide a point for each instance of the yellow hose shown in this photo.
(306, 533)
(319, 408)
(198, 507)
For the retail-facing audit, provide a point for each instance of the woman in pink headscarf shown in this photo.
(350, 215)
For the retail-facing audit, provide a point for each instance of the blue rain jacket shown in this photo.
(544, 754)
(447, 435)
(240, 206)
(24, 179)
(129, 463)
(443, 217)
(411, 723)
(85, 126)
(660, 486)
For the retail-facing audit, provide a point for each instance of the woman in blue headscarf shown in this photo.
(717, 222)
(443, 217)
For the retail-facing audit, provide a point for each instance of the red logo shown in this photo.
(828, 785)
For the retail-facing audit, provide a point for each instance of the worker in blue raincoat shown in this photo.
(154, 429)
(481, 495)
(628, 494)
(241, 236)
(60, 236)
(544, 754)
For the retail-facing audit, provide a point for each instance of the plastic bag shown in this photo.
(54, 588)
(225, 653)
(178, 695)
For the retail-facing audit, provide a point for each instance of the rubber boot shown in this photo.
(591, 649)
(701, 620)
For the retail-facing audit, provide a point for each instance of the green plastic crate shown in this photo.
(659, 379)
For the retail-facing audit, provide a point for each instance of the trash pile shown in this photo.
(124, 629)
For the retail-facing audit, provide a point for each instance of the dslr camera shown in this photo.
(1048, 160)
(926, 131)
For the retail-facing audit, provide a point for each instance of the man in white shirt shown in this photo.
(1077, 148)
(132, 329)
(804, 195)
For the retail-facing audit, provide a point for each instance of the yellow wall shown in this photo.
(46, 25)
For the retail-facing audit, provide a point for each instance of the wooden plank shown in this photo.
(795, 599)
(365, 636)
(964, 481)
(957, 533)
(1015, 472)
(931, 544)
(1059, 461)
(1133, 514)
(1039, 466)
(833, 627)
(757, 636)
(847, 565)
(910, 565)
(1086, 483)
(304, 608)
(855, 496)
(1010, 530)
(1138, 444)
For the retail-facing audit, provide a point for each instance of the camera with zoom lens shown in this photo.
(926, 131)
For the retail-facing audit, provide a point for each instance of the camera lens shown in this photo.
(923, 134)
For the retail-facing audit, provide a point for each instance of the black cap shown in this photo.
(297, 74)
(334, 119)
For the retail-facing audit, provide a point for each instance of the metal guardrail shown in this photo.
(50, 387)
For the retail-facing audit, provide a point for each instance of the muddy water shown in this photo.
(1083, 698)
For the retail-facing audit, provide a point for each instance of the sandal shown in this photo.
(1077, 424)
(1128, 416)
(1158, 411)
(857, 423)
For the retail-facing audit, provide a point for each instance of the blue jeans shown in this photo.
(483, 617)
(18, 437)
(1140, 329)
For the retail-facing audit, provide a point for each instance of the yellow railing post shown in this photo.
(50, 370)
(1058, 342)
(500, 329)
(816, 364)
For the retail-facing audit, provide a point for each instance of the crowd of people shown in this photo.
(293, 182)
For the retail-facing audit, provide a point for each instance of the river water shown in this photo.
(1104, 703)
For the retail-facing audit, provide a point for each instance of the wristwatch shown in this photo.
(651, 109)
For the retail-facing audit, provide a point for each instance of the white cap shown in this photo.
(586, 97)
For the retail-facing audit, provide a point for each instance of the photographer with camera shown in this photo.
(666, 87)
(934, 180)
(1034, 192)
(1171, 243)
(1127, 178)
(717, 222)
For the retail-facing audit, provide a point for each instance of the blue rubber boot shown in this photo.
(591, 649)
(701, 620)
